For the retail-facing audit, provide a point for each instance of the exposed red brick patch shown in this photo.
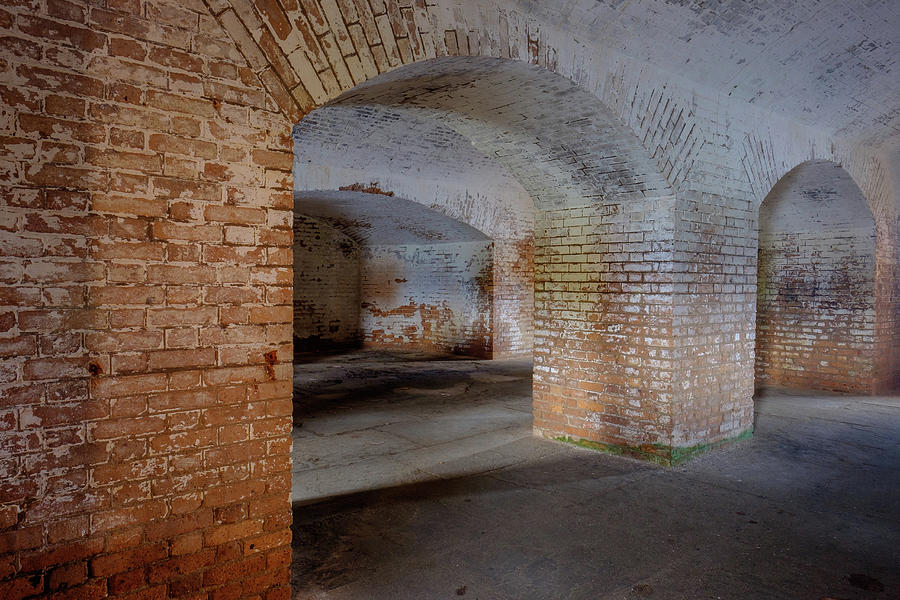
(371, 188)
(144, 235)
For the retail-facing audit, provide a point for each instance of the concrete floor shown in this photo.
(436, 489)
(370, 419)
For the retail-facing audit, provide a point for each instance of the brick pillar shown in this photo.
(714, 321)
(887, 306)
(644, 334)
(603, 372)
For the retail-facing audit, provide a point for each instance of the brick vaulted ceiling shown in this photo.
(379, 220)
(829, 64)
(347, 146)
(762, 86)
(563, 155)
(832, 64)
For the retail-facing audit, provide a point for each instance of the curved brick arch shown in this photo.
(816, 292)
(382, 219)
(309, 53)
(821, 176)
(768, 157)
(561, 143)
(404, 154)
(821, 211)
(347, 147)
(603, 207)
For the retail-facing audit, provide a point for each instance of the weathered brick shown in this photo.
(110, 564)
(80, 37)
(272, 160)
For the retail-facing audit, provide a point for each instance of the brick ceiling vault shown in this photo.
(558, 141)
(814, 196)
(379, 220)
(347, 147)
(829, 64)
(802, 80)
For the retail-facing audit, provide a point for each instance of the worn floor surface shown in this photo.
(437, 490)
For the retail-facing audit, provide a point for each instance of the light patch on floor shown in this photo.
(371, 419)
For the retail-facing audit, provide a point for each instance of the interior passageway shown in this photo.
(192, 192)
(416, 474)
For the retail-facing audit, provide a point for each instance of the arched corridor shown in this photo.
(600, 171)
(604, 231)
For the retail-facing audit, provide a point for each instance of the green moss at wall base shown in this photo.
(655, 453)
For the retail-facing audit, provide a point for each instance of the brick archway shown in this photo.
(816, 296)
(597, 193)
(307, 54)
(827, 300)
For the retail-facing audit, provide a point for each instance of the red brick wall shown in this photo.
(887, 308)
(326, 287)
(816, 288)
(815, 325)
(420, 296)
(145, 307)
(435, 297)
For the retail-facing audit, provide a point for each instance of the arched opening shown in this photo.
(381, 271)
(815, 327)
(442, 236)
(533, 161)
(394, 327)
(596, 198)
(564, 198)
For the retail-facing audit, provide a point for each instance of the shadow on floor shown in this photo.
(806, 509)
(329, 533)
